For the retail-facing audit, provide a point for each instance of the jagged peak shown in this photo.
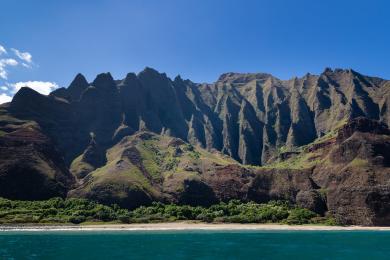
(178, 78)
(26, 95)
(226, 75)
(79, 81)
(154, 77)
(104, 79)
(130, 77)
(150, 71)
(329, 71)
(27, 91)
(242, 77)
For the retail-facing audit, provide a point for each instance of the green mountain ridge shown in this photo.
(318, 141)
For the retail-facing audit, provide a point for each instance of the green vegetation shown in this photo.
(142, 162)
(152, 157)
(78, 211)
(193, 154)
(303, 157)
(232, 212)
(56, 210)
(302, 160)
(359, 163)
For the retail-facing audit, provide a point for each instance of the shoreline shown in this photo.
(185, 226)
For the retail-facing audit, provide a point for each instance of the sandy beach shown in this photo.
(183, 226)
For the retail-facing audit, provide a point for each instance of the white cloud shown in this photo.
(25, 56)
(4, 98)
(22, 59)
(11, 60)
(2, 50)
(43, 87)
(5, 63)
(26, 65)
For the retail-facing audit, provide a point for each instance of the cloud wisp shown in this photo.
(4, 63)
(43, 87)
(4, 98)
(15, 58)
(2, 50)
(24, 56)
(18, 58)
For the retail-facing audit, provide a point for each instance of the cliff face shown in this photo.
(30, 165)
(89, 139)
(246, 116)
(345, 175)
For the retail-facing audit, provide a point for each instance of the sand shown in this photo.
(182, 226)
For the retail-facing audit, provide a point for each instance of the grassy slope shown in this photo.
(156, 159)
(304, 158)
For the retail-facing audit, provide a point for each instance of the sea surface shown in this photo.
(195, 245)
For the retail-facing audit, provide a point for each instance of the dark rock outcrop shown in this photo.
(313, 200)
(196, 193)
(31, 168)
(363, 125)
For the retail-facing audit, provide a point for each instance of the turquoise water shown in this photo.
(195, 244)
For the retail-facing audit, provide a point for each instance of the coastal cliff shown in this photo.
(320, 141)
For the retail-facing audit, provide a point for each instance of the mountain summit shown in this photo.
(77, 137)
(248, 116)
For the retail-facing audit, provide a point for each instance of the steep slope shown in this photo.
(30, 166)
(246, 116)
(351, 168)
(344, 174)
(147, 138)
(147, 167)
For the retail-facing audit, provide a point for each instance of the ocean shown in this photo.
(195, 245)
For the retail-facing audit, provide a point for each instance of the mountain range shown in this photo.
(320, 141)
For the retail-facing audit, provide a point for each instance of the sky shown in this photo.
(44, 44)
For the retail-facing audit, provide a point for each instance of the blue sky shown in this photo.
(198, 39)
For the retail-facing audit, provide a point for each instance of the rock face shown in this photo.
(347, 179)
(322, 141)
(146, 167)
(246, 116)
(363, 125)
(313, 200)
(92, 158)
(31, 168)
(355, 173)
